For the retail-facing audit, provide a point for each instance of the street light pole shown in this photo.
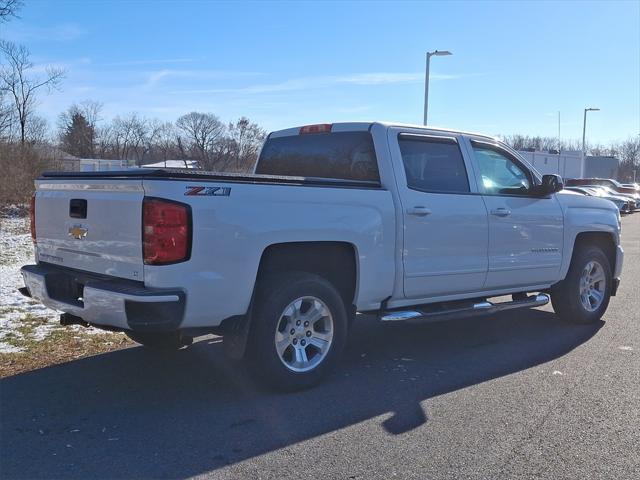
(584, 136)
(559, 141)
(584, 126)
(426, 79)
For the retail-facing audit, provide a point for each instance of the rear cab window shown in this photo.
(433, 164)
(331, 155)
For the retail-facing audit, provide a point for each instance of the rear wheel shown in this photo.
(583, 296)
(165, 341)
(298, 331)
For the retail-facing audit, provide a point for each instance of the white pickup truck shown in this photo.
(400, 221)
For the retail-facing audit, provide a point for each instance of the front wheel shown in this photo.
(298, 331)
(583, 296)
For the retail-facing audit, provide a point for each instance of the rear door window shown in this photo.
(339, 155)
(433, 164)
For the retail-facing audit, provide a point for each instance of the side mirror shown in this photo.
(550, 184)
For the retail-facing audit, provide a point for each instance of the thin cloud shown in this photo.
(326, 81)
(155, 77)
(44, 66)
(159, 61)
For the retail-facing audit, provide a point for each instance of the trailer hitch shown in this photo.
(67, 319)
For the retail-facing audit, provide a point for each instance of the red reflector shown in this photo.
(166, 231)
(319, 128)
(32, 217)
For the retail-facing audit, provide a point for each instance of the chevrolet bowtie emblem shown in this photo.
(78, 232)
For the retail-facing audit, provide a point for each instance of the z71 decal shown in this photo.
(208, 191)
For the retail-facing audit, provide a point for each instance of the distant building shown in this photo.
(101, 165)
(60, 160)
(173, 164)
(571, 165)
(601, 167)
(57, 159)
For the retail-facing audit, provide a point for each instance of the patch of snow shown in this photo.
(6, 348)
(16, 250)
(43, 331)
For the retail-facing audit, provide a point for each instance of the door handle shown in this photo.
(418, 210)
(501, 212)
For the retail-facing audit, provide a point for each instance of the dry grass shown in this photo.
(59, 346)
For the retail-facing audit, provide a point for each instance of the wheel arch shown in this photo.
(335, 261)
(602, 239)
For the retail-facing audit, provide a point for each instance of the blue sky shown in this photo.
(515, 64)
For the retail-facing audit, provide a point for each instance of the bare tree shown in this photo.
(127, 138)
(91, 111)
(9, 9)
(166, 143)
(20, 85)
(6, 116)
(629, 152)
(203, 130)
(247, 138)
(543, 144)
(116, 138)
(104, 141)
(152, 137)
(37, 130)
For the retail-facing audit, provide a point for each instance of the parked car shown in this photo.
(611, 192)
(632, 185)
(606, 182)
(624, 204)
(635, 199)
(407, 223)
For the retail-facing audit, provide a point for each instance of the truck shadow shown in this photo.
(132, 413)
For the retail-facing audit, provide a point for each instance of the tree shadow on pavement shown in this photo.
(133, 413)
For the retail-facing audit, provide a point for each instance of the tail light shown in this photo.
(166, 231)
(319, 128)
(32, 217)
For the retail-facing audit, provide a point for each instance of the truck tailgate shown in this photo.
(91, 225)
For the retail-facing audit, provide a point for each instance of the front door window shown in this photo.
(500, 174)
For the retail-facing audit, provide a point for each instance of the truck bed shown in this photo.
(202, 175)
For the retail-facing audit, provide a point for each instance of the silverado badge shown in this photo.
(78, 232)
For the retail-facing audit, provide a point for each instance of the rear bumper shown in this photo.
(105, 301)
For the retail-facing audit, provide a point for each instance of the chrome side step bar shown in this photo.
(429, 313)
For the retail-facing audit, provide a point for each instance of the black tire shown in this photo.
(565, 296)
(162, 341)
(275, 293)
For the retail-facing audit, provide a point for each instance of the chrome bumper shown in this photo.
(104, 301)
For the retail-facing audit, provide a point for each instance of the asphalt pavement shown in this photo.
(514, 395)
